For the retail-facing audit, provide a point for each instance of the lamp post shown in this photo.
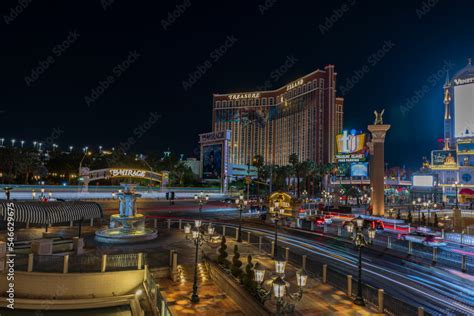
(356, 226)
(279, 287)
(2, 140)
(22, 143)
(277, 215)
(86, 153)
(13, 142)
(198, 237)
(455, 186)
(202, 199)
(241, 203)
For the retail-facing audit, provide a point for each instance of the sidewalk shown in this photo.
(318, 298)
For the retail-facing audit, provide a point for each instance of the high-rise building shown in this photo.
(454, 165)
(302, 117)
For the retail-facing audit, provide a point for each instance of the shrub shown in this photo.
(248, 277)
(222, 258)
(236, 263)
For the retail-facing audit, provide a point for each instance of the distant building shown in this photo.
(302, 117)
(455, 163)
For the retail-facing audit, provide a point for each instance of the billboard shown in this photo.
(212, 162)
(360, 169)
(465, 147)
(441, 157)
(463, 108)
(350, 143)
(423, 181)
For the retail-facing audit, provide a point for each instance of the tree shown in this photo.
(236, 263)
(248, 277)
(222, 258)
(295, 171)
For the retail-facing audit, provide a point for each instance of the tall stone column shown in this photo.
(377, 166)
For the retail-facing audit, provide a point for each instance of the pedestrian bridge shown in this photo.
(86, 175)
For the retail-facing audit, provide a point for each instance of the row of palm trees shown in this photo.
(298, 176)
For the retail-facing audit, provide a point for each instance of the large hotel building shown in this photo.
(302, 117)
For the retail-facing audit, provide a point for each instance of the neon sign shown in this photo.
(244, 96)
(127, 173)
(294, 84)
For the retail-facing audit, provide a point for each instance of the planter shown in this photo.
(246, 302)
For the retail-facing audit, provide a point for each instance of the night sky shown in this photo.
(118, 61)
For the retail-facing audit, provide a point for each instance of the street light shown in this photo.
(87, 153)
(70, 148)
(455, 185)
(202, 199)
(13, 142)
(241, 203)
(2, 140)
(277, 215)
(197, 235)
(22, 143)
(356, 227)
(279, 287)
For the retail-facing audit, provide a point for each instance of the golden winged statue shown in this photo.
(378, 117)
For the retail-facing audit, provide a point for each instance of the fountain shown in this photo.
(127, 226)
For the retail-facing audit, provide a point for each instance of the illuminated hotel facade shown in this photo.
(302, 117)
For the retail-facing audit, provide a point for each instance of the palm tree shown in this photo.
(294, 162)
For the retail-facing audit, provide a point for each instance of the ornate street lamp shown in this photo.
(241, 203)
(279, 287)
(356, 227)
(202, 199)
(277, 215)
(198, 236)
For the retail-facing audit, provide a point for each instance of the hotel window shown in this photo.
(321, 83)
(243, 102)
(218, 104)
(257, 102)
(270, 101)
(264, 101)
(224, 104)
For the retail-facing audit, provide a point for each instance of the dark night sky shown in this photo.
(154, 82)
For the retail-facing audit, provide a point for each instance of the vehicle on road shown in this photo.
(427, 239)
(323, 219)
(370, 223)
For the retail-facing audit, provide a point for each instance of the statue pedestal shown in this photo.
(377, 167)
